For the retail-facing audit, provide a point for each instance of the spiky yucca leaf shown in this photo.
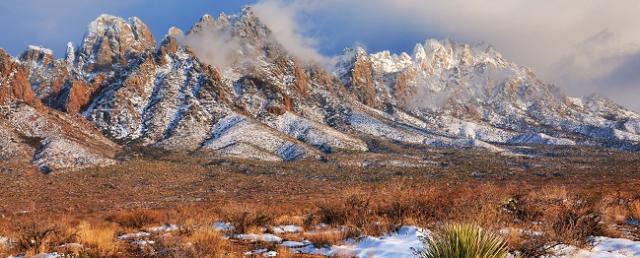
(464, 241)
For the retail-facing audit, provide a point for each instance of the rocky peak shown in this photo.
(37, 54)
(110, 39)
(205, 22)
(447, 54)
(170, 42)
(390, 63)
(355, 69)
(247, 25)
(348, 58)
(70, 55)
(223, 19)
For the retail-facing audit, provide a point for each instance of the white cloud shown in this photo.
(214, 46)
(283, 19)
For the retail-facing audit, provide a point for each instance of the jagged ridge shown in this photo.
(266, 104)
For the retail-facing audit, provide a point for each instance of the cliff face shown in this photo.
(14, 83)
(262, 102)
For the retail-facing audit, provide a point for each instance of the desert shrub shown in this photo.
(574, 224)
(135, 219)
(248, 221)
(464, 241)
(207, 242)
(521, 210)
(34, 238)
(533, 248)
(354, 211)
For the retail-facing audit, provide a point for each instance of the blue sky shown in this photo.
(52, 23)
(581, 46)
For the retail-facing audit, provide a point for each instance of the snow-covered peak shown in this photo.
(207, 18)
(346, 60)
(419, 52)
(223, 19)
(106, 22)
(446, 54)
(352, 54)
(40, 49)
(175, 32)
(116, 28)
(70, 54)
(109, 39)
(390, 63)
(37, 54)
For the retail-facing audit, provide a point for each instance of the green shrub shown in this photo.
(464, 241)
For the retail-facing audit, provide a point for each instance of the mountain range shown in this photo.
(122, 88)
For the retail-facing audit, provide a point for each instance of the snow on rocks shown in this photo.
(5, 241)
(136, 235)
(223, 226)
(164, 228)
(286, 229)
(40, 49)
(142, 243)
(296, 244)
(264, 252)
(268, 238)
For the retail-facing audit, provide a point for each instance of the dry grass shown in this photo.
(517, 192)
(99, 240)
(574, 224)
(37, 237)
(618, 214)
(287, 219)
(634, 209)
(325, 238)
(207, 242)
(136, 219)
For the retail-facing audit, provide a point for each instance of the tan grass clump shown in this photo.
(207, 242)
(99, 240)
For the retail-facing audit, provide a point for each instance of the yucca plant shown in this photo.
(464, 241)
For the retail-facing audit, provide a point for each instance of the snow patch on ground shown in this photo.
(286, 229)
(223, 226)
(165, 228)
(396, 245)
(604, 247)
(134, 235)
(268, 238)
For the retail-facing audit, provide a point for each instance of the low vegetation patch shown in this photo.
(464, 241)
